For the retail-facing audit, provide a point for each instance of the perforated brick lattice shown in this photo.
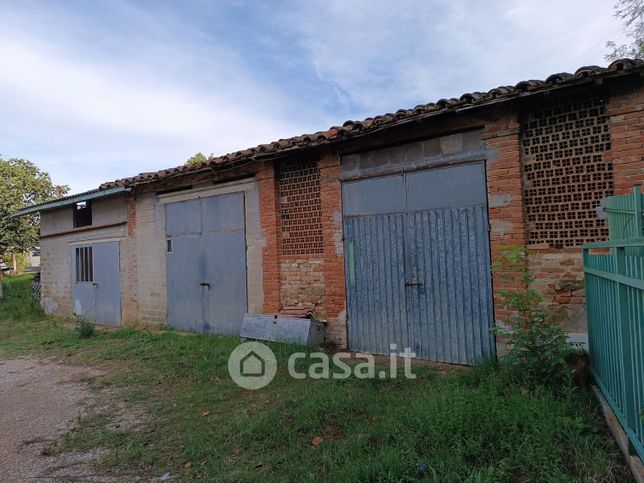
(565, 172)
(300, 208)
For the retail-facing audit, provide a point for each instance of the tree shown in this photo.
(22, 184)
(539, 352)
(197, 158)
(631, 13)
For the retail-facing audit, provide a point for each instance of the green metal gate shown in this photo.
(614, 276)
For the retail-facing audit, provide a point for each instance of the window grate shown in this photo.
(300, 208)
(84, 264)
(565, 171)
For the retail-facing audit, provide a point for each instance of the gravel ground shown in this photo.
(39, 402)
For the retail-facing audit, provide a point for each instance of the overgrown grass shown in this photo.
(17, 304)
(466, 426)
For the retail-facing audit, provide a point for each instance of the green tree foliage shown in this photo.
(197, 159)
(631, 14)
(22, 184)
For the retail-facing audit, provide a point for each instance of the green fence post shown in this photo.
(627, 360)
(637, 206)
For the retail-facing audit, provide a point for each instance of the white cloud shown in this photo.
(385, 54)
(90, 118)
(93, 92)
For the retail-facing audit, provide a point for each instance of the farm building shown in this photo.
(384, 228)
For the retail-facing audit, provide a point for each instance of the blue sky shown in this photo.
(97, 90)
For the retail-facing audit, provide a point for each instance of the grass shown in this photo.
(465, 426)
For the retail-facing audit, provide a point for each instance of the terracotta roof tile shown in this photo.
(351, 128)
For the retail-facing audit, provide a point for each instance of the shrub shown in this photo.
(539, 353)
(17, 303)
(84, 328)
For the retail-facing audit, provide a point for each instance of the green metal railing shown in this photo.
(614, 282)
(625, 215)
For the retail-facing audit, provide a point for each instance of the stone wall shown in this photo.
(559, 277)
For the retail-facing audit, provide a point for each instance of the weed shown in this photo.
(465, 426)
(84, 328)
(17, 302)
(539, 352)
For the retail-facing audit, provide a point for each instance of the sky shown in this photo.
(92, 91)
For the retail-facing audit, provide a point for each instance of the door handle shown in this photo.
(205, 284)
(413, 284)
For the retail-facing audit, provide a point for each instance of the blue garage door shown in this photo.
(206, 264)
(418, 264)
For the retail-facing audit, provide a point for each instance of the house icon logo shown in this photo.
(252, 365)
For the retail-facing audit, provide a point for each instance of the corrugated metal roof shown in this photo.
(71, 199)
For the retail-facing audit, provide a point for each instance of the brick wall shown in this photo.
(334, 304)
(129, 266)
(559, 272)
(308, 283)
(268, 217)
(559, 277)
(300, 284)
(505, 196)
(626, 111)
(566, 169)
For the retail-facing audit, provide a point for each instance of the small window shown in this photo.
(84, 264)
(168, 245)
(82, 214)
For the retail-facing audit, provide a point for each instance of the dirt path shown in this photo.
(39, 402)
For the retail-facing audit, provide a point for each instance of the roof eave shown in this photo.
(383, 127)
(70, 200)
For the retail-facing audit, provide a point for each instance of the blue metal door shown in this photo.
(418, 264)
(96, 282)
(186, 266)
(206, 264)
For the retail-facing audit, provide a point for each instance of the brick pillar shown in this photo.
(131, 215)
(626, 111)
(269, 221)
(505, 196)
(129, 266)
(334, 305)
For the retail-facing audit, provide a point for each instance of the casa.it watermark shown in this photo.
(252, 365)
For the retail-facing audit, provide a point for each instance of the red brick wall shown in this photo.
(270, 226)
(302, 282)
(505, 196)
(315, 284)
(559, 272)
(334, 303)
(306, 284)
(626, 111)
